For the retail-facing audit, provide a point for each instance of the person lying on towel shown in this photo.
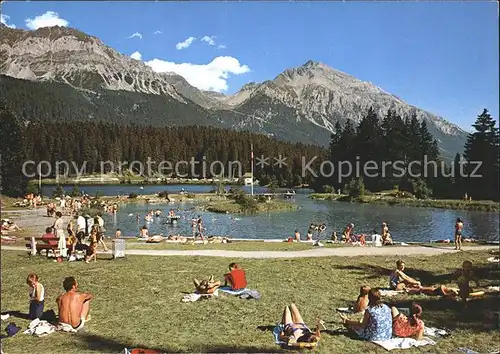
(206, 287)
(236, 277)
(295, 330)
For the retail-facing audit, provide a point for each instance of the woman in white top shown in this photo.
(59, 230)
(376, 239)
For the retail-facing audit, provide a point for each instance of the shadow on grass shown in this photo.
(479, 315)
(92, 342)
(487, 274)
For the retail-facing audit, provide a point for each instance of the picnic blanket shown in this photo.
(242, 293)
(403, 343)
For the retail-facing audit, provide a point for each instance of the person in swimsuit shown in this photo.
(37, 296)
(92, 250)
(73, 306)
(295, 330)
(386, 236)
(399, 280)
(459, 225)
(72, 240)
(346, 235)
(312, 227)
(465, 276)
(199, 229)
(297, 235)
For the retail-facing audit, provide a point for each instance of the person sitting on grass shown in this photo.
(465, 276)
(295, 330)
(376, 324)
(73, 306)
(362, 301)
(406, 327)
(236, 277)
(399, 280)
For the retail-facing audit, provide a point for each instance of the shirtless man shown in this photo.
(73, 306)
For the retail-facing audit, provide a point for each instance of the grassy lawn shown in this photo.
(138, 304)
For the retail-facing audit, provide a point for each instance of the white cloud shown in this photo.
(4, 19)
(136, 34)
(48, 19)
(222, 46)
(212, 76)
(209, 40)
(185, 44)
(136, 55)
(158, 32)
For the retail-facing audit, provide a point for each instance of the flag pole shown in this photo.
(251, 156)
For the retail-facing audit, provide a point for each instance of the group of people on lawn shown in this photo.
(74, 306)
(381, 322)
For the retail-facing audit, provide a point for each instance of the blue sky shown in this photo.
(439, 56)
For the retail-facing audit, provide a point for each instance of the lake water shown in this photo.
(405, 223)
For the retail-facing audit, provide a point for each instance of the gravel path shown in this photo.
(316, 252)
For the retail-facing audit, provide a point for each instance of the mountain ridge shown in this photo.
(312, 93)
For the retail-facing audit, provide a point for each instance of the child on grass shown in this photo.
(465, 276)
(37, 295)
(362, 301)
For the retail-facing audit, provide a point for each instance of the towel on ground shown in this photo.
(495, 259)
(493, 289)
(41, 328)
(345, 309)
(403, 343)
(242, 293)
(5, 317)
(196, 296)
(276, 333)
(389, 292)
(435, 332)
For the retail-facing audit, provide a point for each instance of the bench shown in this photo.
(43, 244)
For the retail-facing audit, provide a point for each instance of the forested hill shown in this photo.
(56, 102)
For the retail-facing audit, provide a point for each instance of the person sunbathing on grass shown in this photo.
(438, 290)
(206, 287)
(74, 306)
(399, 280)
(295, 330)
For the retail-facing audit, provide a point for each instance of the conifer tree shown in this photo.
(482, 149)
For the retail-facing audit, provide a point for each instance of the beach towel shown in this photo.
(345, 309)
(196, 296)
(494, 259)
(493, 289)
(242, 293)
(403, 343)
(276, 334)
(435, 332)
